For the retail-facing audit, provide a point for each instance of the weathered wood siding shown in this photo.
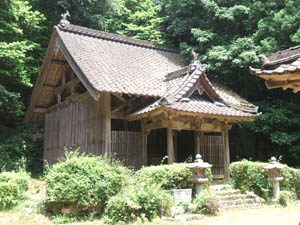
(127, 147)
(85, 124)
(212, 151)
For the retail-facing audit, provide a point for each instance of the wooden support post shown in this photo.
(197, 142)
(171, 155)
(175, 138)
(225, 136)
(144, 143)
(107, 123)
(63, 77)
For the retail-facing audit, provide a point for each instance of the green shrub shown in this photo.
(285, 197)
(207, 203)
(173, 176)
(139, 201)
(251, 176)
(13, 187)
(83, 184)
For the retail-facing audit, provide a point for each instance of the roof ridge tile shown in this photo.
(113, 37)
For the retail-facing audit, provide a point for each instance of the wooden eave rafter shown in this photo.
(42, 77)
(285, 84)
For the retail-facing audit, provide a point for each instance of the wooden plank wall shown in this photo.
(77, 125)
(212, 151)
(127, 147)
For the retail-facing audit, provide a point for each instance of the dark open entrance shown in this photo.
(185, 145)
(157, 146)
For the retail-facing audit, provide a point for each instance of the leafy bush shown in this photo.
(285, 197)
(140, 201)
(173, 176)
(13, 187)
(251, 176)
(207, 203)
(83, 183)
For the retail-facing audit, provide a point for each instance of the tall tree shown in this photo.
(20, 58)
(229, 35)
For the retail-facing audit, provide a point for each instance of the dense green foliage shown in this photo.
(229, 35)
(174, 176)
(20, 58)
(13, 187)
(140, 201)
(251, 176)
(83, 183)
(206, 203)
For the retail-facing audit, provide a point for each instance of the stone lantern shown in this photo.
(275, 177)
(198, 168)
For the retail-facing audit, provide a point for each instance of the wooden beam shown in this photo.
(225, 136)
(119, 116)
(49, 87)
(59, 62)
(118, 96)
(42, 77)
(171, 154)
(124, 105)
(144, 143)
(175, 139)
(71, 83)
(76, 98)
(107, 124)
(40, 110)
(296, 89)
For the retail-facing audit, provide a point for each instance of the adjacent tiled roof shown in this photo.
(183, 81)
(281, 69)
(281, 56)
(117, 64)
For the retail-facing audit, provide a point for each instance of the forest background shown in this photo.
(228, 34)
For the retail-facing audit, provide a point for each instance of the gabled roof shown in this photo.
(116, 64)
(106, 62)
(211, 98)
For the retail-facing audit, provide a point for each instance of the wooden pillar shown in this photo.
(197, 142)
(225, 136)
(171, 154)
(107, 123)
(144, 143)
(175, 139)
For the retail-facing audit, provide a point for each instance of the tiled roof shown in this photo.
(117, 64)
(197, 105)
(281, 69)
(281, 56)
(228, 103)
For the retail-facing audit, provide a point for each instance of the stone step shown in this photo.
(228, 192)
(220, 187)
(235, 196)
(237, 207)
(238, 202)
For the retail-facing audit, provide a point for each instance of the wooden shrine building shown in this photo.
(281, 69)
(130, 98)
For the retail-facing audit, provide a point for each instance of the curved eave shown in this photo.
(163, 109)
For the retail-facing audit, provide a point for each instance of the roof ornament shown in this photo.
(264, 59)
(196, 64)
(195, 55)
(64, 21)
